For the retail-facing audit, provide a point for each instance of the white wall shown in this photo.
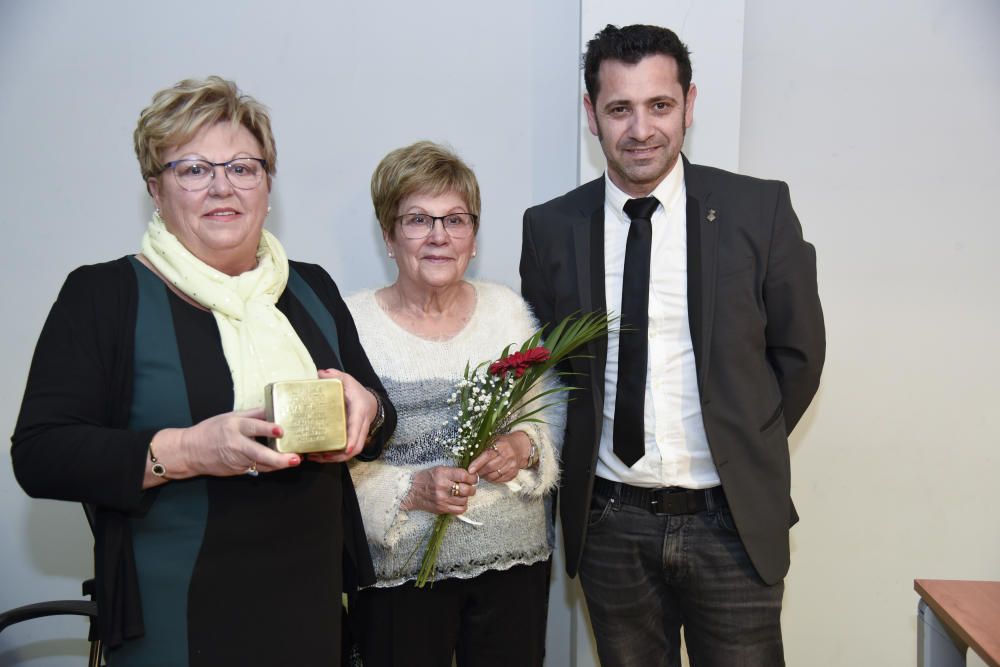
(883, 119)
(345, 81)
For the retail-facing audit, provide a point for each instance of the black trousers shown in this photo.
(496, 619)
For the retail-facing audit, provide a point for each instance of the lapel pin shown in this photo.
(711, 215)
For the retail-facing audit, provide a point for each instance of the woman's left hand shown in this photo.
(361, 408)
(503, 459)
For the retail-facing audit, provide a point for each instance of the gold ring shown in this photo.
(252, 470)
(455, 489)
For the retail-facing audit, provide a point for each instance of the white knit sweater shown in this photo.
(420, 375)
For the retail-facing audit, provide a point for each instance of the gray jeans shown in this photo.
(646, 576)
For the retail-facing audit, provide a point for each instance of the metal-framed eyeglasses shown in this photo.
(194, 174)
(421, 225)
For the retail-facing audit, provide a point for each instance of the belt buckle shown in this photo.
(665, 502)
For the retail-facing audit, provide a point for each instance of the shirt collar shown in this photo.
(668, 192)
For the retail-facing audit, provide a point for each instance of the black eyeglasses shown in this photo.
(421, 225)
(193, 174)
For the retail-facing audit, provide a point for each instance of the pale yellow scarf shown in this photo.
(258, 342)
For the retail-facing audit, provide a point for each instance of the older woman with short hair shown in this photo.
(488, 598)
(145, 399)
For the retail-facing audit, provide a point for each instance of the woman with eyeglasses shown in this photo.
(145, 396)
(488, 599)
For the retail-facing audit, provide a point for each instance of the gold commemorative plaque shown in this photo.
(311, 414)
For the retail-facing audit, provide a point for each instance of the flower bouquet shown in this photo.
(495, 396)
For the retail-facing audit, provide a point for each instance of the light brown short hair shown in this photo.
(177, 114)
(423, 167)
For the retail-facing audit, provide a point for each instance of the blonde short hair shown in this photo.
(177, 114)
(425, 168)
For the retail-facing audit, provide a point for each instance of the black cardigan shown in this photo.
(71, 440)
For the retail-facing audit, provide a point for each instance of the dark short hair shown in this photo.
(630, 44)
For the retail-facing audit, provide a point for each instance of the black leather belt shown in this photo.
(668, 500)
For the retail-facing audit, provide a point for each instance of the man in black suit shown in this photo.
(675, 500)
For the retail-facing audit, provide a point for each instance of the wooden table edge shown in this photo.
(949, 620)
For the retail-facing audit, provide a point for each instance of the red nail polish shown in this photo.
(276, 431)
(294, 461)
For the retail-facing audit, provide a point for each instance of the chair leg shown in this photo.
(95, 653)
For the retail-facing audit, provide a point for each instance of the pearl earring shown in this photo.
(391, 255)
(157, 210)
(268, 209)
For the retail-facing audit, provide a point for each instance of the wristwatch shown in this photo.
(379, 414)
(157, 468)
(533, 455)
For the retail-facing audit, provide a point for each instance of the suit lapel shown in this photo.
(588, 240)
(598, 297)
(702, 254)
(582, 243)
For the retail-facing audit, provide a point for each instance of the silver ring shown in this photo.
(495, 449)
(252, 470)
(455, 489)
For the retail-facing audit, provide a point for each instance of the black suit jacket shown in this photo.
(756, 327)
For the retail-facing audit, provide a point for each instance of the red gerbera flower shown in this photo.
(519, 361)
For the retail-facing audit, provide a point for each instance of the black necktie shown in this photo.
(630, 402)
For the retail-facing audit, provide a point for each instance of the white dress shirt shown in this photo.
(677, 451)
